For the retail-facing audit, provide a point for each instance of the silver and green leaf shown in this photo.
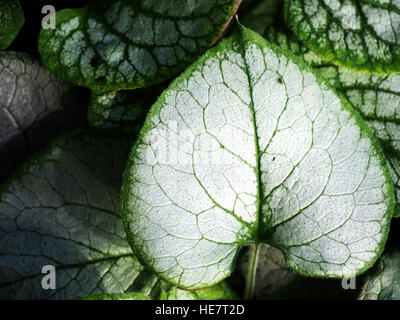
(127, 44)
(363, 35)
(249, 145)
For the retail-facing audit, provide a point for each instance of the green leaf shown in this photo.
(62, 209)
(220, 291)
(11, 21)
(376, 97)
(248, 145)
(360, 35)
(383, 282)
(127, 44)
(116, 296)
(35, 107)
(121, 110)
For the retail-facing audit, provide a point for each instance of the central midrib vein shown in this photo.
(258, 222)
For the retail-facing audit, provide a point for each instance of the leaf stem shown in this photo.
(251, 275)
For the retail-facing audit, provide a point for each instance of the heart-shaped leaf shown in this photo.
(376, 97)
(62, 209)
(35, 107)
(11, 21)
(383, 282)
(125, 44)
(250, 146)
(361, 35)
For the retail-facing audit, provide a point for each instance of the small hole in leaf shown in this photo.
(95, 62)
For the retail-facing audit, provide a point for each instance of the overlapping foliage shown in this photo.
(275, 137)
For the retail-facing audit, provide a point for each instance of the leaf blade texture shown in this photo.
(51, 214)
(360, 35)
(35, 107)
(130, 44)
(376, 97)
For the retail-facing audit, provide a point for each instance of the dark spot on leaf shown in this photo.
(95, 62)
(279, 80)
